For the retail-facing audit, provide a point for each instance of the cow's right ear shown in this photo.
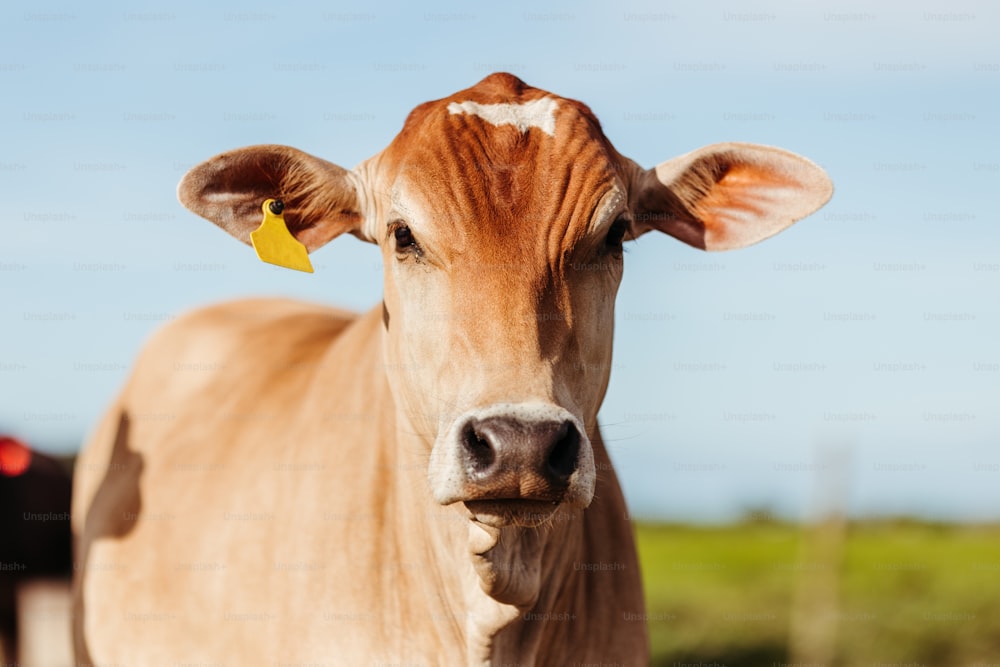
(321, 199)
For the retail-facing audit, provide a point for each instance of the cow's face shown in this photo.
(500, 213)
(502, 241)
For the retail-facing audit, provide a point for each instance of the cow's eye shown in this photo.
(616, 233)
(404, 237)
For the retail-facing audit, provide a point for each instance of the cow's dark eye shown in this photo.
(404, 237)
(616, 233)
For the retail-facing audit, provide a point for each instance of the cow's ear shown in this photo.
(321, 199)
(728, 196)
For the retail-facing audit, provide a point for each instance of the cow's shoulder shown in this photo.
(234, 345)
(233, 325)
(247, 317)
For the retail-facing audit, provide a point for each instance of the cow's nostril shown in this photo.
(478, 448)
(562, 459)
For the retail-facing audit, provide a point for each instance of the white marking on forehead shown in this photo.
(540, 113)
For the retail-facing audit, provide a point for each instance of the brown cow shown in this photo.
(282, 483)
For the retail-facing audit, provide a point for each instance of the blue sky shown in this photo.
(856, 351)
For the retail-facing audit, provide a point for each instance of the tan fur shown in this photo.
(263, 490)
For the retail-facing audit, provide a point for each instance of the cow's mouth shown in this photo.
(501, 512)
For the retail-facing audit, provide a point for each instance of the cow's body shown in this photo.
(281, 483)
(268, 549)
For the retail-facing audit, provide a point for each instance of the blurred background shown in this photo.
(806, 431)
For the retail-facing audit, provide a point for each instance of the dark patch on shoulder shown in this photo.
(114, 512)
(385, 316)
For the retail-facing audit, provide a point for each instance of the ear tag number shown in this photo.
(275, 244)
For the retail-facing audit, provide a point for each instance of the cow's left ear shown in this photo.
(728, 196)
(321, 199)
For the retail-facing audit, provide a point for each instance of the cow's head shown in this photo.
(501, 212)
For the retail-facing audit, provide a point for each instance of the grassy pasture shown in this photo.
(877, 594)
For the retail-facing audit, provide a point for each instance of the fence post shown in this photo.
(816, 602)
(44, 608)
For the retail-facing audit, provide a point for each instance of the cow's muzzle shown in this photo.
(521, 453)
(506, 457)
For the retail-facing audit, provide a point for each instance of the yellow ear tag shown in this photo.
(275, 244)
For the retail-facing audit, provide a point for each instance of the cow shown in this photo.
(35, 539)
(425, 483)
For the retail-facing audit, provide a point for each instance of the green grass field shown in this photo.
(883, 594)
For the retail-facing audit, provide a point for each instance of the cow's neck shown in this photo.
(506, 590)
(519, 572)
(490, 579)
(511, 590)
